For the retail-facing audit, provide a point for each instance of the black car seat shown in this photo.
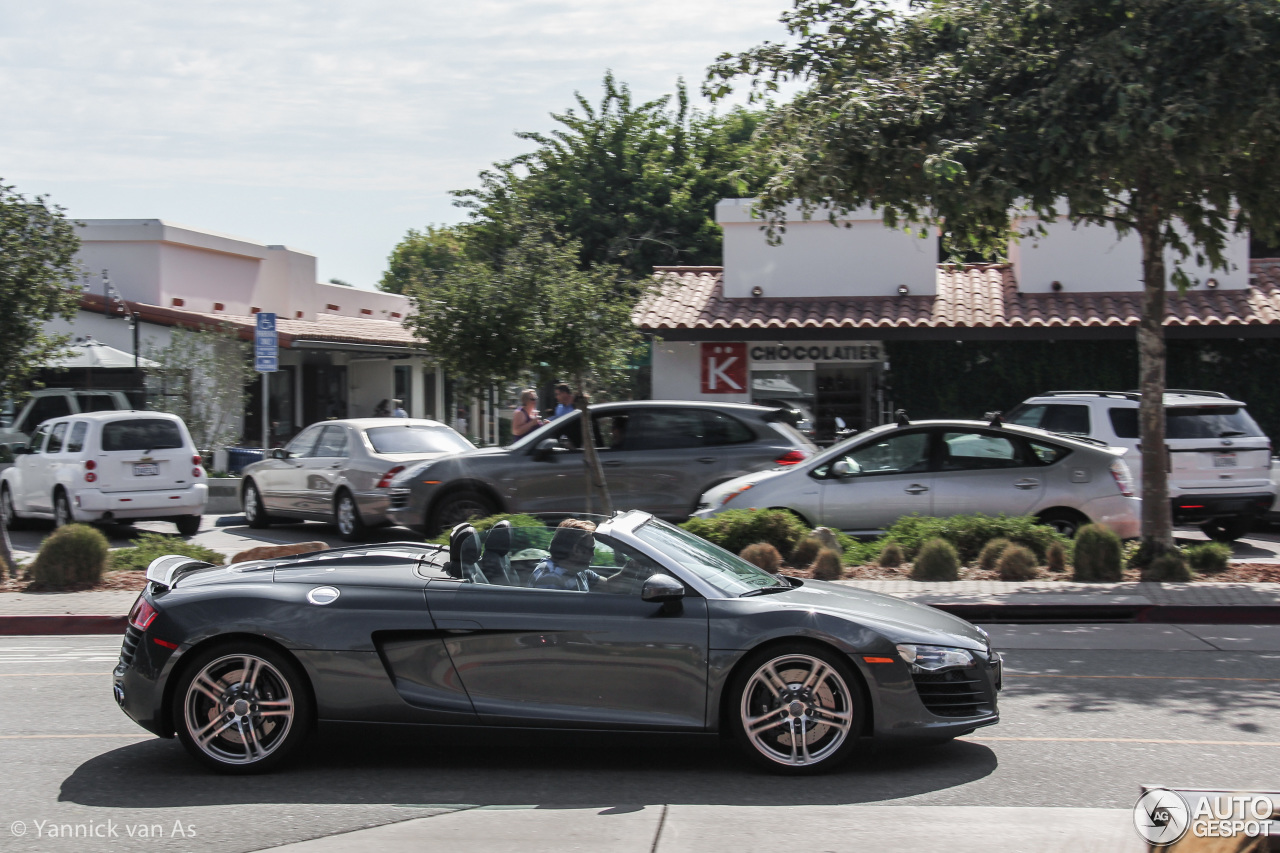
(496, 561)
(464, 554)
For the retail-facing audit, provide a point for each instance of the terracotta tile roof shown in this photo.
(972, 297)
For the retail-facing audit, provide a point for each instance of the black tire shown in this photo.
(346, 517)
(62, 515)
(1227, 529)
(829, 711)
(188, 525)
(1065, 521)
(271, 708)
(254, 511)
(8, 517)
(457, 507)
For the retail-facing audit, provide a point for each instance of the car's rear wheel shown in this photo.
(1065, 521)
(457, 507)
(346, 515)
(796, 708)
(62, 510)
(1226, 529)
(8, 516)
(254, 512)
(242, 707)
(188, 525)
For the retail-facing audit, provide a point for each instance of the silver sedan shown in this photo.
(341, 471)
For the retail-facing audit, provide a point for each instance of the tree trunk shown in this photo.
(1157, 522)
(591, 459)
(6, 554)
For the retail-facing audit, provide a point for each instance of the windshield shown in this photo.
(141, 434)
(727, 573)
(411, 438)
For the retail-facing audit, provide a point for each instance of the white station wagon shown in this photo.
(107, 467)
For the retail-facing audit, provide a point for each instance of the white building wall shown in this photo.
(369, 382)
(677, 374)
(111, 331)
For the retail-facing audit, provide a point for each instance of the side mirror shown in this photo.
(20, 449)
(843, 468)
(661, 588)
(543, 452)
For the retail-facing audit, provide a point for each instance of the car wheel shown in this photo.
(346, 515)
(457, 507)
(1064, 521)
(1226, 529)
(188, 525)
(62, 510)
(796, 709)
(242, 708)
(254, 512)
(8, 517)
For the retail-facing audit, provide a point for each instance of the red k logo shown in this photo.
(724, 368)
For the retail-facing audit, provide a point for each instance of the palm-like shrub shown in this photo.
(74, 555)
(827, 565)
(891, 555)
(1098, 555)
(1056, 557)
(806, 551)
(990, 554)
(1167, 568)
(764, 555)
(1209, 556)
(936, 561)
(1017, 563)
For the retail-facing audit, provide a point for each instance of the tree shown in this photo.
(38, 272)
(1158, 117)
(201, 376)
(424, 255)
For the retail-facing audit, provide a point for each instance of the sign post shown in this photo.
(266, 360)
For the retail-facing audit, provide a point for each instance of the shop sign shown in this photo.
(724, 368)
(849, 351)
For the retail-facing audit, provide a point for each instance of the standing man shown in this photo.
(397, 408)
(564, 401)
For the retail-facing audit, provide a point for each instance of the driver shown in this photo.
(569, 566)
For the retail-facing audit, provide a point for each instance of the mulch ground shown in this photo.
(1235, 573)
(125, 580)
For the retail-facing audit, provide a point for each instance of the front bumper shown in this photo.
(923, 706)
(1192, 509)
(93, 505)
(405, 507)
(1119, 514)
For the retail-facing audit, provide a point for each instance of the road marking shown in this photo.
(1132, 740)
(1161, 677)
(66, 737)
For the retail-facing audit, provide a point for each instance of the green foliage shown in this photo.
(1208, 557)
(74, 555)
(764, 555)
(738, 528)
(1097, 555)
(805, 552)
(936, 560)
(422, 257)
(969, 533)
(201, 377)
(1167, 568)
(1056, 557)
(826, 567)
(1017, 563)
(991, 552)
(483, 524)
(150, 546)
(38, 274)
(891, 555)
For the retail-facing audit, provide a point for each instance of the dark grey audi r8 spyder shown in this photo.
(624, 623)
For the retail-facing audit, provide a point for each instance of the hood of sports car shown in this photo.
(899, 619)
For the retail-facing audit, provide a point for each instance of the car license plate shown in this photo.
(1224, 460)
(145, 469)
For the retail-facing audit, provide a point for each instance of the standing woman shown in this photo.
(526, 419)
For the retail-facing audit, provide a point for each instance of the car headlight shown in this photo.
(733, 493)
(934, 658)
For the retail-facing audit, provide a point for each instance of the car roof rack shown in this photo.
(1128, 395)
(1085, 438)
(1197, 393)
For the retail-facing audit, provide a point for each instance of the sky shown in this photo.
(330, 127)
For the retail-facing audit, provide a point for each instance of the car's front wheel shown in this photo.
(8, 516)
(62, 510)
(796, 708)
(346, 515)
(254, 512)
(457, 507)
(242, 707)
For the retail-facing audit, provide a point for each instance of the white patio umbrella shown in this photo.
(97, 354)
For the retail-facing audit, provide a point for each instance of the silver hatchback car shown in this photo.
(943, 468)
(341, 471)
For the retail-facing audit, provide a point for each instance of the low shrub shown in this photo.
(990, 553)
(150, 546)
(858, 552)
(483, 524)
(1167, 568)
(74, 555)
(805, 551)
(738, 528)
(1097, 555)
(1056, 557)
(891, 555)
(827, 565)
(1017, 563)
(936, 561)
(764, 555)
(1208, 557)
(969, 533)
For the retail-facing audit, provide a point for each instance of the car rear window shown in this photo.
(416, 439)
(141, 434)
(1192, 422)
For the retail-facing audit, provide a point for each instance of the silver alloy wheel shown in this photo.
(797, 710)
(346, 514)
(251, 503)
(61, 511)
(238, 709)
(458, 510)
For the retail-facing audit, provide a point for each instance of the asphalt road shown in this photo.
(1089, 713)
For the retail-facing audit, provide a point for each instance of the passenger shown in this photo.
(569, 566)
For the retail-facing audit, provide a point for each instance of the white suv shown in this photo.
(107, 467)
(1219, 460)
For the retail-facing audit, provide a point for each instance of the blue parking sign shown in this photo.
(266, 352)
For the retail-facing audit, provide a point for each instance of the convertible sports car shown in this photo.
(637, 625)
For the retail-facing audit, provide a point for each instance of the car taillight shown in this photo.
(89, 465)
(142, 614)
(89, 476)
(196, 472)
(195, 459)
(1123, 477)
(791, 457)
(385, 482)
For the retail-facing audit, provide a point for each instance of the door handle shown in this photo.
(915, 489)
(1026, 484)
(706, 460)
(336, 465)
(612, 463)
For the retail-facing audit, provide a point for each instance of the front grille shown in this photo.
(955, 693)
(129, 648)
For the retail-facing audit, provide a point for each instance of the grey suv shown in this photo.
(658, 456)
